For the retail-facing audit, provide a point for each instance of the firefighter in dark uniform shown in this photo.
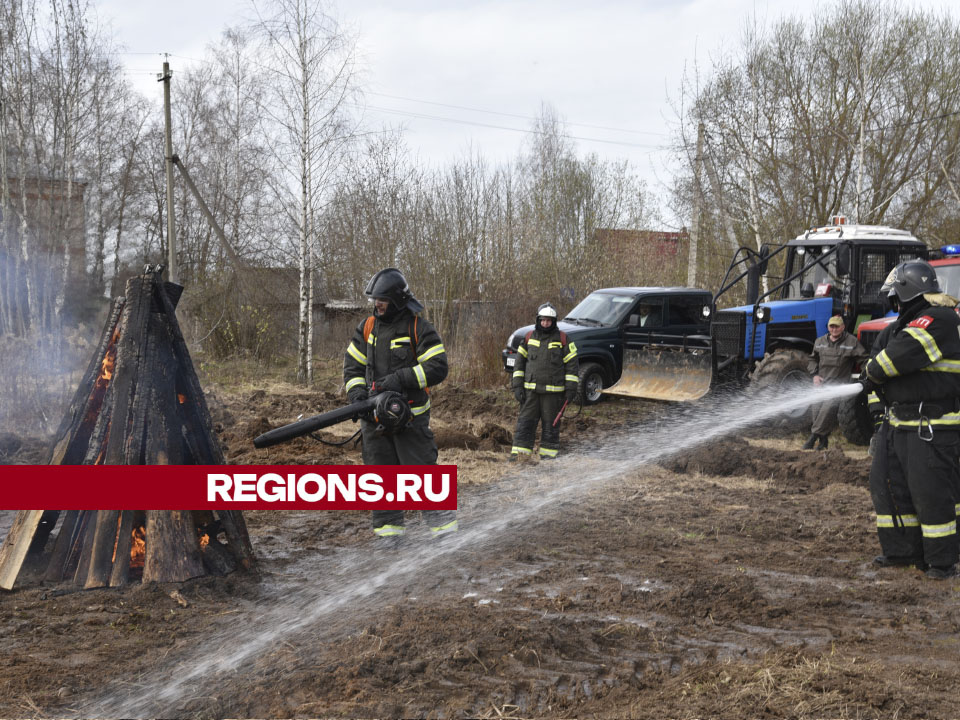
(916, 374)
(397, 350)
(545, 375)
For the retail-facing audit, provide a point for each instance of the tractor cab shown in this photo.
(847, 263)
(837, 269)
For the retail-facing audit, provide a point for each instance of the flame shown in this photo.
(109, 362)
(204, 541)
(106, 367)
(182, 398)
(138, 547)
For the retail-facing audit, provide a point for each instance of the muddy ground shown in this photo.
(733, 580)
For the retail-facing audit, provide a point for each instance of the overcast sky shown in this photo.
(473, 73)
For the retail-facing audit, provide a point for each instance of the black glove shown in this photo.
(520, 394)
(571, 395)
(388, 383)
(357, 394)
(877, 419)
(867, 384)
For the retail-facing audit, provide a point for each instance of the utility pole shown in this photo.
(172, 271)
(697, 210)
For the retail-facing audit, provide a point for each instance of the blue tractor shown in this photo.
(833, 270)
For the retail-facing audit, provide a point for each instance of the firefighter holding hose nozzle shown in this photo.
(914, 477)
(395, 350)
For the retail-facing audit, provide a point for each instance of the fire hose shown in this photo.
(389, 410)
(560, 414)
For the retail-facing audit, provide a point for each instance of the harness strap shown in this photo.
(368, 330)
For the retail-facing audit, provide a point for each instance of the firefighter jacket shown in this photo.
(875, 401)
(546, 362)
(836, 360)
(408, 346)
(920, 364)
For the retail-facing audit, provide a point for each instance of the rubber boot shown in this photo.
(941, 573)
(811, 441)
(824, 442)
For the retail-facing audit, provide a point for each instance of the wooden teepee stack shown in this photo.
(139, 403)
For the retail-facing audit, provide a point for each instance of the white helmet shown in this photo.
(546, 311)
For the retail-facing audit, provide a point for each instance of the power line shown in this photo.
(458, 121)
(521, 117)
(468, 109)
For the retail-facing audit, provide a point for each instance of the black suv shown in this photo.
(607, 320)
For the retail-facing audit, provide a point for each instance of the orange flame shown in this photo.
(106, 367)
(204, 541)
(138, 547)
(109, 362)
(182, 398)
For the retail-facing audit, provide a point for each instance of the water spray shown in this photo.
(363, 580)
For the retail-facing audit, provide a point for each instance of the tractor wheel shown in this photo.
(854, 418)
(786, 370)
(591, 383)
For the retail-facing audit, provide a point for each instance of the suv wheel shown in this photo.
(591, 383)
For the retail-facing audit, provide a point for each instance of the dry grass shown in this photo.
(781, 684)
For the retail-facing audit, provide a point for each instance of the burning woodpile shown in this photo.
(138, 403)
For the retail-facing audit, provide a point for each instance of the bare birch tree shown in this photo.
(311, 69)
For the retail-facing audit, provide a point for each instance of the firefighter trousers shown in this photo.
(414, 446)
(541, 408)
(913, 484)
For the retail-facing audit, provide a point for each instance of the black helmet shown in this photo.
(390, 284)
(911, 279)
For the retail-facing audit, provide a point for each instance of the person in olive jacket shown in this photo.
(545, 375)
(834, 357)
(397, 350)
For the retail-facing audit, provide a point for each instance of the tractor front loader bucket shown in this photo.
(664, 374)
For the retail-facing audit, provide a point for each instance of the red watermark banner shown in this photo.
(229, 487)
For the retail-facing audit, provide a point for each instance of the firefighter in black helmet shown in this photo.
(395, 349)
(545, 375)
(914, 475)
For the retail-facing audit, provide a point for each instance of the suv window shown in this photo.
(949, 278)
(686, 310)
(601, 309)
(648, 313)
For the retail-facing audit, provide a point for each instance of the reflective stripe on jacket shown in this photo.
(545, 363)
(413, 351)
(920, 362)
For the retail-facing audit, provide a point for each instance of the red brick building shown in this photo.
(645, 257)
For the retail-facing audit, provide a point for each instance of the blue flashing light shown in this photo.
(950, 250)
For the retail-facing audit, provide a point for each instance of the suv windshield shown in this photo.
(822, 271)
(601, 308)
(949, 278)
